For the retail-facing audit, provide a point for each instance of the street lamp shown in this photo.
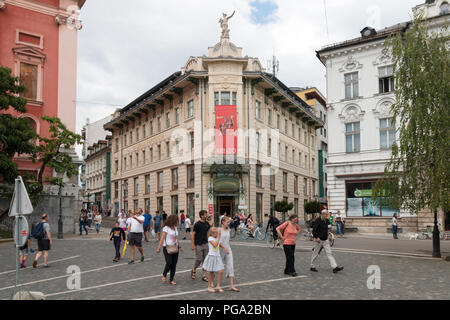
(436, 241)
(60, 221)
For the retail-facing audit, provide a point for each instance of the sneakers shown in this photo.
(115, 259)
(337, 269)
(45, 266)
(34, 264)
(131, 262)
(314, 270)
(294, 274)
(142, 258)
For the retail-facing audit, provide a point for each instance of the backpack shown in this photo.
(38, 231)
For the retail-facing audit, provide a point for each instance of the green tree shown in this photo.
(312, 207)
(16, 135)
(283, 207)
(418, 174)
(51, 154)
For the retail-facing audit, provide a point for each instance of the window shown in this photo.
(293, 156)
(225, 97)
(143, 157)
(147, 205)
(151, 155)
(190, 204)
(131, 161)
(124, 164)
(296, 184)
(167, 149)
(125, 206)
(258, 109)
(272, 179)
(293, 131)
(177, 116)
(143, 131)
(285, 127)
(278, 121)
(131, 137)
(352, 137)
(136, 186)
(259, 209)
(137, 134)
(314, 188)
(192, 140)
(175, 179)
(386, 79)
(216, 98)
(296, 206)
(159, 124)
(387, 133)
(116, 164)
(258, 176)
(269, 148)
(190, 176)
(233, 98)
(29, 79)
(116, 190)
(272, 205)
(269, 117)
(117, 144)
(151, 127)
(257, 141)
(285, 154)
(147, 184)
(359, 202)
(159, 204)
(159, 152)
(137, 159)
(190, 107)
(285, 177)
(444, 8)
(167, 120)
(160, 181)
(177, 147)
(351, 85)
(306, 161)
(174, 204)
(305, 187)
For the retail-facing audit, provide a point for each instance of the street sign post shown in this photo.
(20, 206)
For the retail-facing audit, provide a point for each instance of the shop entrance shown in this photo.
(225, 206)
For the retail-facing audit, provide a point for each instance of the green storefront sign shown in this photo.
(365, 193)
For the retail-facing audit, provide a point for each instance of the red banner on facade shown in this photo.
(226, 138)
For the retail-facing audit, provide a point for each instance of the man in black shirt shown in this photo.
(199, 241)
(320, 234)
(117, 234)
(274, 223)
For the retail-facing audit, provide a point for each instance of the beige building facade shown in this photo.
(166, 151)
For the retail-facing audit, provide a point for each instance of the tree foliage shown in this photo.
(417, 175)
(313, 207)
(16, 135)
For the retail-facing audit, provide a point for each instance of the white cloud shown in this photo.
(127, 48)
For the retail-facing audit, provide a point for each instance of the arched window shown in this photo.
(444, 8)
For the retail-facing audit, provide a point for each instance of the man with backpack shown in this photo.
(42, 233)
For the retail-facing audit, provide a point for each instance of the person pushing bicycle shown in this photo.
(274, 223)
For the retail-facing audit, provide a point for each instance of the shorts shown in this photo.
(135, 239)
(43, 244)
(157, 227)
(188, 229)
(146, 228)
(23, 252)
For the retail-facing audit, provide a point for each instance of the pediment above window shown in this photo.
(350, 65)
(351, 113)
(30, 53)
(384, 58)
(383, 108)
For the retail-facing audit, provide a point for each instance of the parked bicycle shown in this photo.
(428, 234)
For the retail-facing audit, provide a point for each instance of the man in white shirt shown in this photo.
(187, 224)
(134, 234)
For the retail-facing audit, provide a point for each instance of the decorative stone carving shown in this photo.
(224, 25)
(350, 65)
(191, 64)
(384, 58)
(383, 108)
(71, 21)
(351, 113)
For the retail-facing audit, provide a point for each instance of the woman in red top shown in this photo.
(288, 232)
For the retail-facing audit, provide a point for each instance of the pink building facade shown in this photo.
(39, 44)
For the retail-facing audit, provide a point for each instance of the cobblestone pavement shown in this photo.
(407, 272)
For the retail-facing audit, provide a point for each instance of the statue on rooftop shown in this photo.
(224, 25)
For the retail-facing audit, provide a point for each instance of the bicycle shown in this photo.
(428, 234)
(307, 234)
(259, 233)
(271, 240)
(236, 229)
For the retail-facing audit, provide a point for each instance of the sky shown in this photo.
(127, 47)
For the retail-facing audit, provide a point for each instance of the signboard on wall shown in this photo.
(226, 126)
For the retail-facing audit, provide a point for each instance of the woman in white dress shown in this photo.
(225, 252)
(213, 262)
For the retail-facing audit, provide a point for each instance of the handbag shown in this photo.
(173, 249)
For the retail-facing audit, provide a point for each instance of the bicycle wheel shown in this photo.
(245, 234)
(260, 234)
(270, 239)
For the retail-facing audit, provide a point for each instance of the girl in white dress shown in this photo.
(225, 252)
(213, 261)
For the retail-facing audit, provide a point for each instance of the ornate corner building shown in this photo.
(221, 135)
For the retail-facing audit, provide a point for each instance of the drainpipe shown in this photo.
(201, 137)
(248, 141)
